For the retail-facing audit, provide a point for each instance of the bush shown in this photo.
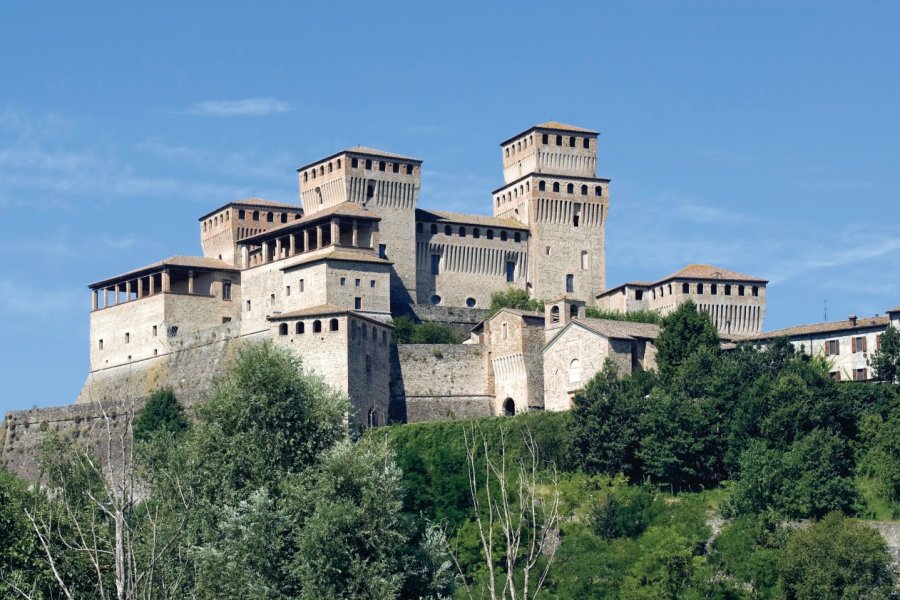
(621, 512)
(638, 316)
(407, 331)
(836, 558)
(161, 413)
(513, 298)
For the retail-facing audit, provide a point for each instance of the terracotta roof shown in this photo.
(190, 262)
(563, 127)
(338, 253)
(361, 150)
(555, 126)
(342, 209)
(626, 284)
(620, 329)
(709, 272)
(442, 216)
(817, 328)
(254, 202)
(894, 310)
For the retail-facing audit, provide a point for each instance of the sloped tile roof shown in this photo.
(621, 329)
(697, 271)
(189, 262)
(255, 202)
(563, 127)
(818, 328)
(894, 310)
(342, 209)
(336, 253)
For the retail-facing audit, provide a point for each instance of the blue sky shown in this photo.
(760, 136)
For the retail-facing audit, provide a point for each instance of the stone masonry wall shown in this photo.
(433, 382)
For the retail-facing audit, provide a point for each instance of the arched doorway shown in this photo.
(509, 407)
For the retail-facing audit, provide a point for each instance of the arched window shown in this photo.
(517, 236)
(572, 142)
(575, 371)
(354, 163)
(204, 225)
(333, 325)
(714, 289)
(490, 234)
(283, 329)
(270, 218)
(740, 290)
(554, 314)
(370, 189)
(433, 228)
(313, 173)
(586, 143)
(338, 163)
(448, 230)
(321, 169)
(256, 215)
(559, 140)
(542, 185)
(317, 326)
(306, 176)
(573, 311)
(570, 283)
(299, 328)
(585, 261)
(570, 189)
(330, 168)
(685, 288)
(545, 139)
(727, 289)
(584, 190)
(419, 228)
(368, 164)
(755, 291)
(598, 191)
(699, 288)
(284, 217)
(241, 215)
(502, 236)
(509, 407)
(555, 186)
(476, 233)
(381, 165)
(462, 231)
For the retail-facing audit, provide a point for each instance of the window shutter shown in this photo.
(877, 342)
(837, 346)
(865, 345)
(853, 345)
(825, 346)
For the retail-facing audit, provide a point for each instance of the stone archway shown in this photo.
(509, 407)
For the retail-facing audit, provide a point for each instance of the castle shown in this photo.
(324, 278)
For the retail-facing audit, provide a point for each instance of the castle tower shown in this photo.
(385, 183)
(221, 229)
(551, 187)
(558, 313)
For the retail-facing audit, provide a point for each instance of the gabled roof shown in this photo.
(819, 328)
(442, 216)
(620, 330)
(365, 151)
(188, 262)
(896, 309)
(255, 202)
(342, 209)
(553, 126)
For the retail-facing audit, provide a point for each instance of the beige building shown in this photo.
(735, 302)
(847, 345)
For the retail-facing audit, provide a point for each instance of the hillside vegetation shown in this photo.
(686, 483)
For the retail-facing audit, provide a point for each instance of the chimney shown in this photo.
(852, 319)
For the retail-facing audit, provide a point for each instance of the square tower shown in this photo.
(385, 183)
(552, 188)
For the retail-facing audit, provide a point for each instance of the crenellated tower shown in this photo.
(385, 183)
(551, 187)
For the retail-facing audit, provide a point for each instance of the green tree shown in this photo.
(685, 330)
(604, 424)
(407, 331)
(836, 559)
(513, 298)
(664, 569)
(637, 316)
(879, 451)
(162, 413)
(886, 359)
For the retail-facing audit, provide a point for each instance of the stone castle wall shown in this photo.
(435, 382)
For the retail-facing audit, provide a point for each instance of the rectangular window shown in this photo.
(714, 288)
(287, 290)
(357, 282)
(248, 306)
(576, 214)
(638, 294)
(226, 319)
(343, 281)
(860, 374)
(570, 283)
(372, 283)
(226, 289)
(154, 331)
(100, 344)
(127, 338)
(435, 264)
(510, 271)
(858, 344)
(835, 375)
(301, 286)
(357, 303)
(832, 347)
(382, 250)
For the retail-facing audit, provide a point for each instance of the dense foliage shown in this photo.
(407, 331)
(514, 298)
(636, 316)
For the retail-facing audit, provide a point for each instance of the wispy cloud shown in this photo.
(248, 107)
(18, 299)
